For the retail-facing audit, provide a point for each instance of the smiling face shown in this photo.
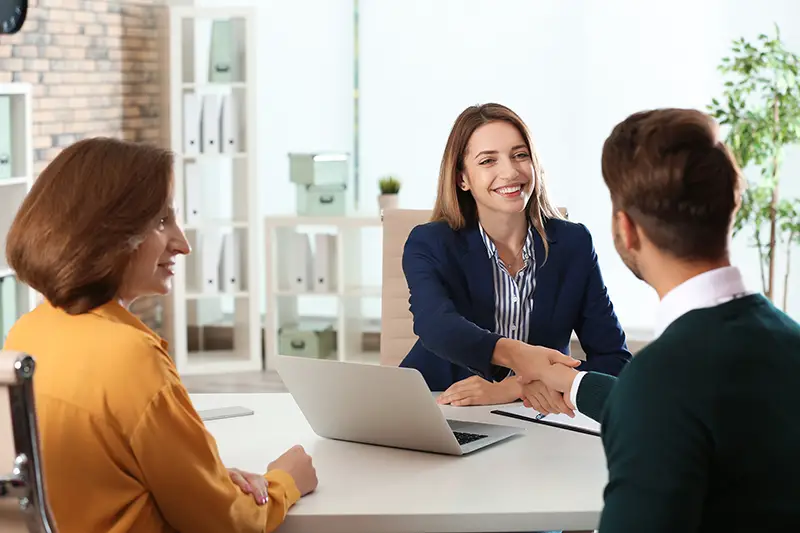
(150, 270)
(498, 170)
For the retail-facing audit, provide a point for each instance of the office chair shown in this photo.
(23, 501)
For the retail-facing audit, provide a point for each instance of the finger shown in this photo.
(544, 402)
(240, 481)
(468, 400)
(259, 485)
(534, 402)
(557, 357)
(558, 401)
(525, 401)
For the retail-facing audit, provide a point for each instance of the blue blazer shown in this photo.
(449, 275)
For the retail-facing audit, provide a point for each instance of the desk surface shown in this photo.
(545, 479)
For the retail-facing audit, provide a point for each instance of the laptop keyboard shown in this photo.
(466, 438)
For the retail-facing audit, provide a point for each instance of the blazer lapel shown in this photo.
(547, 282)
(478, 270)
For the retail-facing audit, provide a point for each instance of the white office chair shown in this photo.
(23, 501)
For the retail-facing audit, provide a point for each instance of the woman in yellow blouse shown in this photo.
(123, 448)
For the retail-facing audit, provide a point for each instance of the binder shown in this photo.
(194, 194)
(5, 137)
(211, 253)
(230, 125)
(324, 273)
(231, 273)
(299, 267)
(211, 125)
(191, 123)
(8, 305)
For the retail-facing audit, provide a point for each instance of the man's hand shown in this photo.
(297, 463)
(545, 400)
(252, 484)
(477, 391)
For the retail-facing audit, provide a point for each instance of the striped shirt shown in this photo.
(513, 295)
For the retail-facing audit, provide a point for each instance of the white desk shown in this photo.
(546, 479)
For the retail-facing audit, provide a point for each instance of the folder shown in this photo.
(211, 124)
(580, 424)
(324, 272)
(230, 125)
(193, 186)
(211, 253)
(231, 272)
(191, 123)
(223, 64)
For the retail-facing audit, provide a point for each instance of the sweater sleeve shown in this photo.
(593, 391)
(658, 453)
(185, 475)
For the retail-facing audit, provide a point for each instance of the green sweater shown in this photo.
(702, 429)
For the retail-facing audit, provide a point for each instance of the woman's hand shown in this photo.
(529, 362)
(477, 391)
(253, 484)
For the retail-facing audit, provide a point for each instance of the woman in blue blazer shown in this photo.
(498, 276)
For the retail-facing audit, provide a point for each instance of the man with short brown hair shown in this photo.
(702, 429)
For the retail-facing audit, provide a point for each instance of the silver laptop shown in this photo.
(382, 405)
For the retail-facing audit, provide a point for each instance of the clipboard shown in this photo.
(580, 424)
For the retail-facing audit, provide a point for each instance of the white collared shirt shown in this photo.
(708, 289)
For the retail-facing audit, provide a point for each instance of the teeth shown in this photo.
(508, 190)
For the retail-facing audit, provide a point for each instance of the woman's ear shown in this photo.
(463, 184)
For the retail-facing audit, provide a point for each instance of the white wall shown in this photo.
(571, 69)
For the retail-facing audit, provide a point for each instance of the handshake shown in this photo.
(544, 375)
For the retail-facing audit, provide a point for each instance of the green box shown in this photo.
(319, 169)
(307, 340)
(321, 200)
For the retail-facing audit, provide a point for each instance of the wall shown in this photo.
(571, 70)
(94, 67)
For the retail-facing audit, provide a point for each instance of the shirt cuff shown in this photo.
(573, 392)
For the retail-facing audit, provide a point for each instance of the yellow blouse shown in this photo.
(123, 448)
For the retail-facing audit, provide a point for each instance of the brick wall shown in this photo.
(94, 66)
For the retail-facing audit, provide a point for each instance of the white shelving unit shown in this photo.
(16, 179)
(214, 326)
(345, 305)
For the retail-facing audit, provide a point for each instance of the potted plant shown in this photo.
(760, 108)
(389, 187)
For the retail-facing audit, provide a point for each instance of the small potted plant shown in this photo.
(389, 187)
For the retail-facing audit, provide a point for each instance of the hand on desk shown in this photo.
(477, 391)
(252, 484)
(297, 463)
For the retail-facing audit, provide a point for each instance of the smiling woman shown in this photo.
(498, 279)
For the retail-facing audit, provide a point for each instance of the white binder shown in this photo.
(192, 109)
(324, 272)
(230, 125)
(211, 253)
(211, 123)
(298, 264)
(193, 185)
(231, 273)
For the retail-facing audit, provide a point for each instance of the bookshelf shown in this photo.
(347, 308)
(212, 319)
(16, 179)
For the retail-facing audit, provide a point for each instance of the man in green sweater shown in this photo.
(702, 429)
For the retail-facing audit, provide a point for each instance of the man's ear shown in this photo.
(629, 231)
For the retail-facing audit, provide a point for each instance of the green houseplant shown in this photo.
(760, 108)
(390, 188)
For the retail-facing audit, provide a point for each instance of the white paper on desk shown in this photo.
(580, 421)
